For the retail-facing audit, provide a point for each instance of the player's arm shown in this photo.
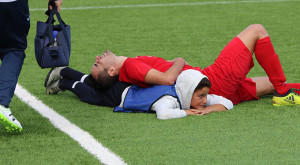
(169, 77)
(211, 108)
(185, 63)
(167, 107)
(215, 103)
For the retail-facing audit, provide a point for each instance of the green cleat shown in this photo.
(11, 124)
(290, 98)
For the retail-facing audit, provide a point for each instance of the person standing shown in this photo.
(15, 24)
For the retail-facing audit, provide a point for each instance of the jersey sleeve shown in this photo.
(134, 71)
(215, 99)
(167, 107)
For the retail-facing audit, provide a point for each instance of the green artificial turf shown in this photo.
(254, 132)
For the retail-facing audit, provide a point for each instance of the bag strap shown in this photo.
(62, 25)
(50, 27)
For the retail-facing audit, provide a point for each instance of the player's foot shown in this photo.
(53, 75)
(10, 123)
(290, 98)
(54, 88)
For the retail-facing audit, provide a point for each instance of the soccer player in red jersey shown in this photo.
(227, 74)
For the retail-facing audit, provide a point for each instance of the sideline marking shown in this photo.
(161, 5)
(87, 141)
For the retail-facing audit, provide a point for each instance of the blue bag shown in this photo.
(50, 51)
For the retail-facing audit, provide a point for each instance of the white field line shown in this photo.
(87, 141)
(162, 5)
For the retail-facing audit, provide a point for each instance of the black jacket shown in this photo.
(14, 24)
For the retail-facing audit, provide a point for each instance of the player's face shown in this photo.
(101, 64)
(199, 98)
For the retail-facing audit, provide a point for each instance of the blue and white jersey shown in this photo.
(14, 24)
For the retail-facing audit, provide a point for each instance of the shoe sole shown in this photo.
(9, 126)
(279, 105)
(47, 78)
(284, 104)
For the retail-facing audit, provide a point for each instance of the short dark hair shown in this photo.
(203, 83)
(104, 80)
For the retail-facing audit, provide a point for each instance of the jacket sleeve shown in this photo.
(168, 107)
(215, 99)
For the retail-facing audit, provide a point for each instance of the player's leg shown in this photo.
(263, 86)
(72, 74)
(251, 35)
(229, 71)
(9, 73)
(57, 73)
(110, 97)
(295, 87)
(257, 40)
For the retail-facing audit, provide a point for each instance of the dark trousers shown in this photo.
(10, 69)
(88, 91)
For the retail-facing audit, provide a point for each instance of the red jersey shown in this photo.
(135, 69)
(227, 74)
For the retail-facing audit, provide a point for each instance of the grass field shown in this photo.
(253, 132)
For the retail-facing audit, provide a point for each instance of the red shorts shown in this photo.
(228, 73)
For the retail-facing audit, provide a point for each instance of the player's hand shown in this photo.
(58, 4)
(179, 58)
(198, 112)
(203, 112)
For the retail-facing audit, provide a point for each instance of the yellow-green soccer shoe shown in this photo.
(290, 98)
(10, 123)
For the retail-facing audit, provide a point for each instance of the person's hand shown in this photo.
(58, 4)
(198, 112)
(179, 58)
(202, 112)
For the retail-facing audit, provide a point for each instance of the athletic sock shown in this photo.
(71, 74)
(66, 84)
(268, 59)
(295, 86)
(91, 82)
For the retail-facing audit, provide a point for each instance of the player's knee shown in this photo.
(259, 30)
